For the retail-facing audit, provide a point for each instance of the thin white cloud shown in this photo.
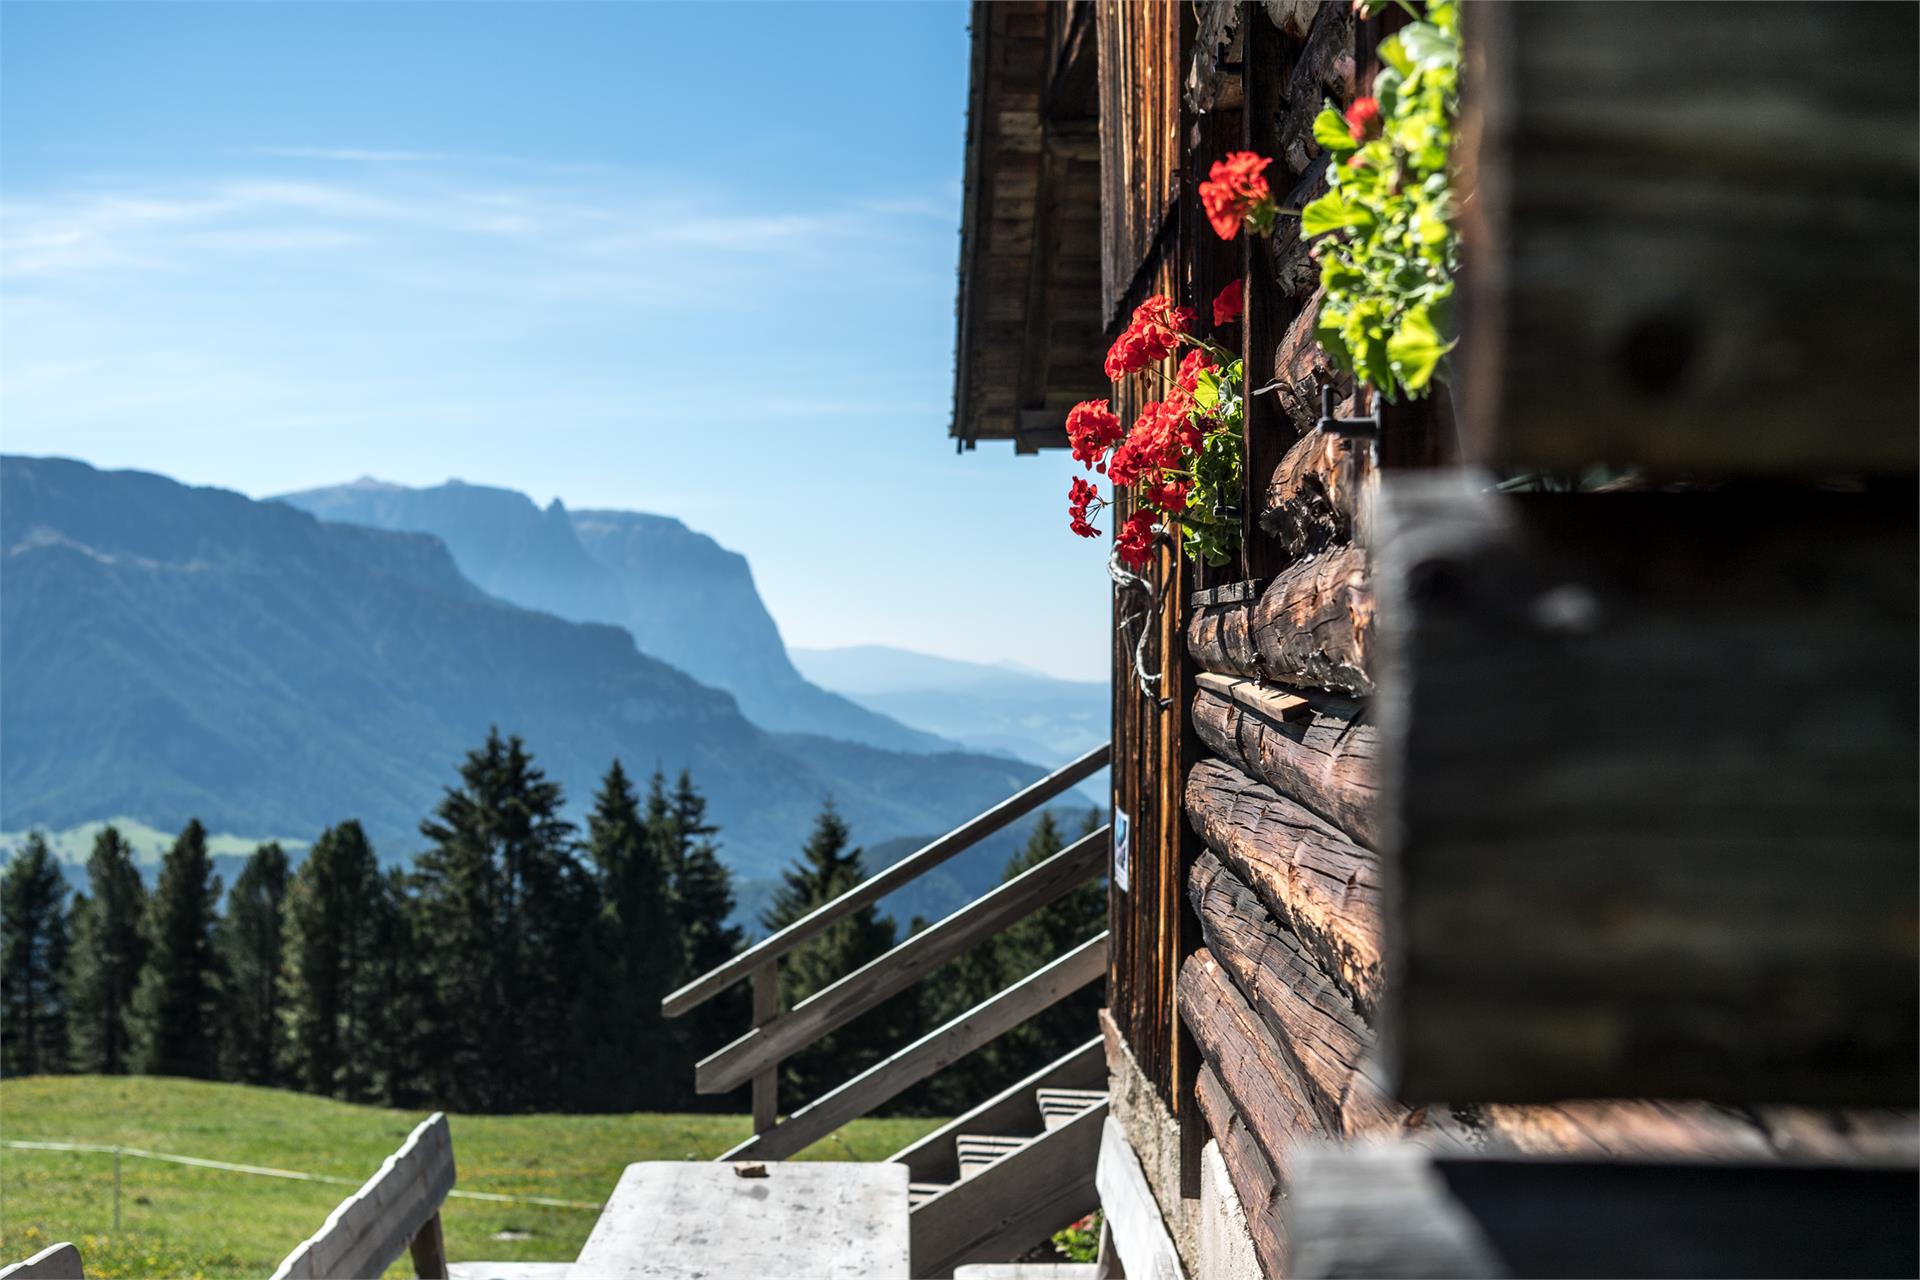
(351, 155)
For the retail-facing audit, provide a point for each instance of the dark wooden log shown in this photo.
(1267, 1092)
(1252, 1177)
(1323, 72)
(1692, 239)
(1311, 626)
(1313, 491)
(1653, 762)
(1323, 887)
(1312, 1019)
(1386, 1211)
(1320, 754)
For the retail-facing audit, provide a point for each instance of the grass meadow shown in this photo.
(177, 1220)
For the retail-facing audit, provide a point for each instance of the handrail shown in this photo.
(833, 1006)
(877, 886)
(944, 1045)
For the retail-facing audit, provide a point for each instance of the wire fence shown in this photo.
(262, 1171)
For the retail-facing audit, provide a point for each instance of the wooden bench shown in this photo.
(395, 1211)
(55, 1262)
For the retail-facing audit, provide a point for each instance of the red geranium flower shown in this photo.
(1236, 192)
(1080, 497)
(1196, 363)
(1228, 306)
(1170, 497)
(1150, 337)
(1363, 119)
(1092, 429)
(1135, 540)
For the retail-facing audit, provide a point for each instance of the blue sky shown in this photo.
(692, 259)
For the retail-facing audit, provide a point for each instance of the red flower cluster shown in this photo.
(1235, 192)
(1150, 337)
(1135, 540)
(1363, 119)
(1228, 306)
(1080, 498)
(1162, 435)
(1092, 428)
(1188, 379)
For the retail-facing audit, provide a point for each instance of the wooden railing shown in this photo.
(777, 1036)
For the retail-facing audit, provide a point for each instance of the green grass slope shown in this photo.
(178, 1220)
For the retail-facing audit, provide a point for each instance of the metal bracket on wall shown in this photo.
(1364, 428)
(1130, 582)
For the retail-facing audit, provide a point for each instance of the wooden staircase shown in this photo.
(993, 1183)
(1001, 1178)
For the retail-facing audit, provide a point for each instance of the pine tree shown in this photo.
(506, 906)
(395, 991)
(826, 869)
(1039, 940)
(174, 1022)
(108, 952)
(330, 918)
(628, 1057)
(250, 938)
(33, 957)
(704, 901)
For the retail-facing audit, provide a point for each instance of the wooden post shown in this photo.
(766, 1007)
(429, 1250)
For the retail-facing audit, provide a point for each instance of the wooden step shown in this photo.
(1057, 1106)
(980, 1151)
(1011, 1111)
(1014, 1203)
(919, 1193)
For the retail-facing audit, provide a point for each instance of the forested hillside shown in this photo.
(176, 653)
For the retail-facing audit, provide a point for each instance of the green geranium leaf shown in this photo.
(1424, 45)
(1331, 212)
(1330, 131)
(1416, 348)
(1393, 52)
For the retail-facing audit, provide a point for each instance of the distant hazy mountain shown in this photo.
(686, 599)
(171, 652)
(989, 708)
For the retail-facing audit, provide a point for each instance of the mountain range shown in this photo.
(171, 652)
(685, 599)
(983, 707)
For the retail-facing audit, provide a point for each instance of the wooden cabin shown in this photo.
(1515, 865)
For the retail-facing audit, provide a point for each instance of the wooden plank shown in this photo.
(1013, 1205)
(1692, 252)
(1656, 758)
(880, 884)
(1319, 752)
(55, 1262)
(1311, 626)
(837, 1004)
(686, 1220)
(1014, 1109)
(1252, 1177)
(1388, 1211)
(1268, 700)
(1322, 886)
(1261, 1081)
(1140, 1236)
(1311, 1019)
(939, 1048)
(428, 1251)
(766, 1082)
(371, 1228)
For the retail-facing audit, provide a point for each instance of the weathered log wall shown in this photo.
(1298, 805)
